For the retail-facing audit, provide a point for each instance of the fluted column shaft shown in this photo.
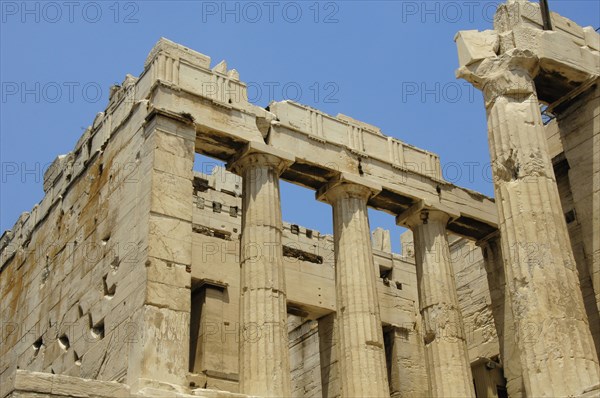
(446, 351)
(264, 357)
(361, 351)
(554, 340)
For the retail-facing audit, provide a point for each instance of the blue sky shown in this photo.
(388, 63)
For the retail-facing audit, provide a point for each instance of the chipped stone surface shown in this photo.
(541, 273)
(474, 46)
(133, 275)
(30, 384)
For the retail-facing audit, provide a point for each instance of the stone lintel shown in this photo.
(214, 283)
(564, 102)
(222, 138)
(413, 213)
(372, 188)
(484, 241)
(280, 159)
(170, 122)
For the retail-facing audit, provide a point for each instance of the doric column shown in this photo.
(552, 332)
(445, 343)
(361, 351)
(264, 357)
(502, 312)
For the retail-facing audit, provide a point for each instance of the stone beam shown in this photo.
(317, 162)
(325, 145)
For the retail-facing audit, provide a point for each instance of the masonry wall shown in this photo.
(96, 279)
(70, 280)
(574, 144)
(474, 299)
(128, 270)
(305, 360)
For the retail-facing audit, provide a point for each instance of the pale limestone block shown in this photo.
(216, 334)
(168, 273)
(407, 244)
(408, 371)
(170, 239)
(171, 195)
(200, 392)
(381, 240)
(162, 352)
(178, 146)
(221, 67)
(167, 296)
(166, 46)
(592, 38)
(120, 315)
(60, 385)
(55, 169)
(474, 46)
(107, 358)
(226, 181)
(329, 356)
(7, 381)
(168, 162)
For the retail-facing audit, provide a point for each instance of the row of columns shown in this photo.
(264, 363)
(532, 273)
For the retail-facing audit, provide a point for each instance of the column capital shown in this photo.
(257, 153)
(350, 185)
(511, 74)
(423, 211)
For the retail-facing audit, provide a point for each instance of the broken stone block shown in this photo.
(474, 46)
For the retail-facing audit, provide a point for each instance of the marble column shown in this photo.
(555, 344)
(502, 311)
(361, 351)
(446, 354)
(264, 357)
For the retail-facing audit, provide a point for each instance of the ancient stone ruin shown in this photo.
(136, 276)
